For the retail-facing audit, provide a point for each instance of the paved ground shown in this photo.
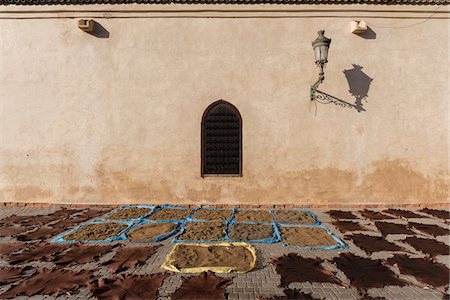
(264, 280)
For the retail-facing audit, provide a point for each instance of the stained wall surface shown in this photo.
(114, 117)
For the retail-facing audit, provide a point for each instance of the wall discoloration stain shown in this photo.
(386, 181)
(132, 186)
(212, 194)
(38, 182)
(360, 130)
(31, 192)
(397, 181)
(81, 189)
(306, 186)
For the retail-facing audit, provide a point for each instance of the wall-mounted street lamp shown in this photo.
(320, 46)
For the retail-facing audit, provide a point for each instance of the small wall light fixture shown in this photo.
(86, 25)
(320, 45)
(358, 27)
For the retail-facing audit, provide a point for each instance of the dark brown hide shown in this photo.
(403, 213)
(290, 294)
(63, 213)
(41, 233)
(75, 220)
(297, 295)
(371, 244)
(13, 231)
(28, 221)
(339, 214)
(68, 223)
(80, 217)
(93, 213)
(423, 269)
(10, 275)
(391, 228)
(430, 229)
(366, 273)
(204, 286)
(129, 257)
(13, 220)
(428, 246)
(81, 254)
(441, 214)
(8, 248)
(39, 220)
(345, 226)
(38, 252)
(294, 268)
(374, 215)
(129, 287)
(49, 282)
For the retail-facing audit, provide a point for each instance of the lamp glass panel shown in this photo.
(317, 53)
(323, 53)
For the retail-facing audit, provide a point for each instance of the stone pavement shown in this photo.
(264, 279)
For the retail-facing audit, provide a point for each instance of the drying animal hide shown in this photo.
(49, 282)
(204, 286)
(129, 257)
(82, 254)
(294, 268)
(129, 287)
(366, 273)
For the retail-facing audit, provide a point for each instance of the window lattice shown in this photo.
(221, 132)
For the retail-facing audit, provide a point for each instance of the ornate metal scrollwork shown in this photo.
(324, 98)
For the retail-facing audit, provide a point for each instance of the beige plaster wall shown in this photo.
(117, 120)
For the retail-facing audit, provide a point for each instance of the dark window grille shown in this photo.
(221, 140)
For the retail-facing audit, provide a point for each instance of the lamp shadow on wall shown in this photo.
(359, 84)
(99, 31)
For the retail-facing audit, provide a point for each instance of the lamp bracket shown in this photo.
(325, 98)
(318, 82)
(315, 86)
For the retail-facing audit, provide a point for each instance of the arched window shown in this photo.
(221, 140)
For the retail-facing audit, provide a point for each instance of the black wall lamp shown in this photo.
(320, 45)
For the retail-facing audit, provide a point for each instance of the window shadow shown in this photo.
(359, 84)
